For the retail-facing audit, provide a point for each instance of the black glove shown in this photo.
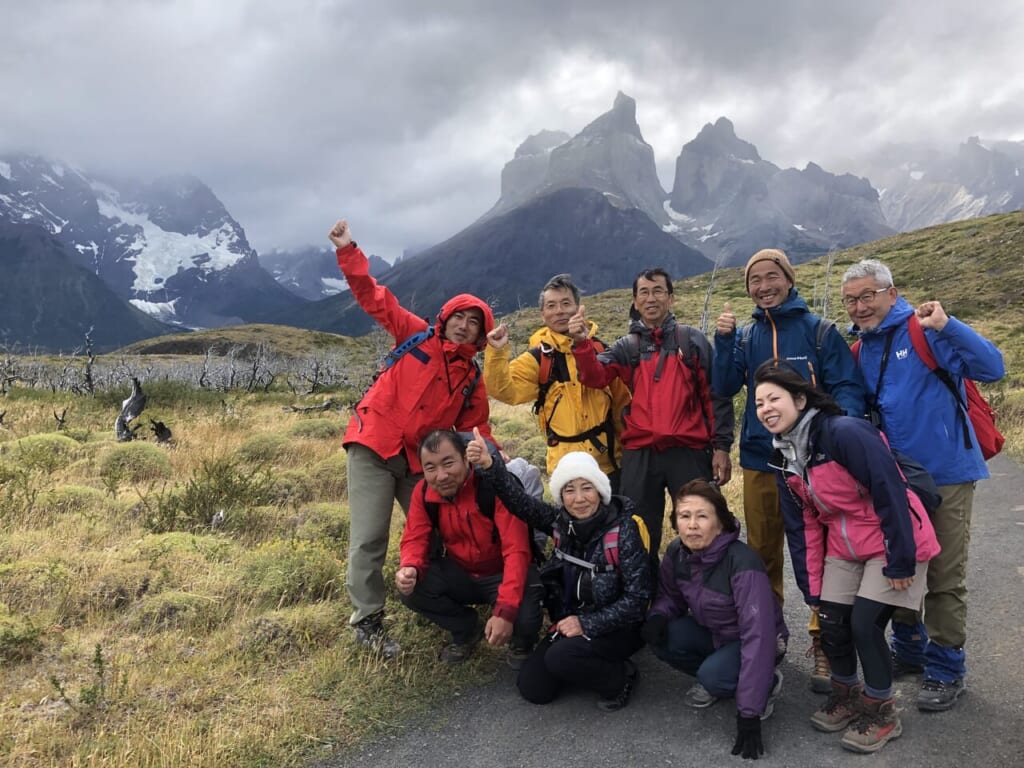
(748, 737)
(655, 629)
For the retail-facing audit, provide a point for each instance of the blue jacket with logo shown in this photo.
(788, 331)
(920, 416)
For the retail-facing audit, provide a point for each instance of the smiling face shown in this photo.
(697, 522)
(580, 498)
(767, 284)
(777, 409)
(446, 469)
(464, 326)
(653, 300)
(557, 306)
(867, 302)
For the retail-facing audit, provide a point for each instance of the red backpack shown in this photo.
(976, 407)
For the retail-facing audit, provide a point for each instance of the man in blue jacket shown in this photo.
(782, 327)
(921, 418)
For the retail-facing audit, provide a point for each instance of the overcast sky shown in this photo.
(401, 115)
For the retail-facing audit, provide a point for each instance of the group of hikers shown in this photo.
(823, 444)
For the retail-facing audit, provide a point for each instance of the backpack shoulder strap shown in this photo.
(432, 507)
(824, 326)
(544, 355)
(409, 345)
(855, 349)
(632, 340)
(611, 540)
(744, 331)
(920, 342)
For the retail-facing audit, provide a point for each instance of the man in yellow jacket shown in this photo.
(571, 417)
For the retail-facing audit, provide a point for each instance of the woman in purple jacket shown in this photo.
(715, 616)
(860, 541)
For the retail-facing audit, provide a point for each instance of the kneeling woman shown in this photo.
(715, 616)
(860, 542)
(603, 571)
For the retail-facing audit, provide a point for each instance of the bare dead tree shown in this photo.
(326, 405)
(826, 307)
(61, 421)
(2, 424)
(705, 319)
(90, 358)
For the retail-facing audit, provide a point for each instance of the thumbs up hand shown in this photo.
(578, 326)
(726, 323)
(476, 451)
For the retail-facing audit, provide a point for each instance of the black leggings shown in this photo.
(849, 632)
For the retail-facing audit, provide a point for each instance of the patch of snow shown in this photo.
(90, 247)
(705, 238)
(707, 227)
(58, 169)
(160, 310)
(48, 178)
(159, 254)
(671, 229)
(5, 171)
(674, 214)
(917, 175)
(1016, 171)
(742, 160)
(26, 216)
(333, 285)
(801, 227)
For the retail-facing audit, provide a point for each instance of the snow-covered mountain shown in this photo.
(168, 247)
(313, 273)
(921, 186)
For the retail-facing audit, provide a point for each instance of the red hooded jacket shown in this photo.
(413, 397)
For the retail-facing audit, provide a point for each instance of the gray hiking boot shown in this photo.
(370, 634)
(936, 696)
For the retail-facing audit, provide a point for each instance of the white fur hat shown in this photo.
(575, 465)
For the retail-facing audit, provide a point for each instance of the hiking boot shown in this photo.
(840, 709)
(621, 699)
(698, 697)
(370, 633)
(876, 725)
(517, 655)
(821, 676)
(769, 706)
(903, 668)
(456, 653)
(937, 696)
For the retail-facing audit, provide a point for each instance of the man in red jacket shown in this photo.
(436, 385)
(483, 557)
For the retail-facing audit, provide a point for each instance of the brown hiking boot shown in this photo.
(821, 676)
(840, 709)
(876, 725)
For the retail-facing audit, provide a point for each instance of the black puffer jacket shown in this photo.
(616, 599)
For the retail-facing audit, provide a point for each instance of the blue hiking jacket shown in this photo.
(920, 416)
(788, 331)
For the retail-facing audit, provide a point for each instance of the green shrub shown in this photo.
(134, 462)
(292, 488)
(263, 449)
(535, 451)
(287, 572)
(217, 484)
(331, 477)
(178, 610)
(116, 588)
(68, 499)
(19, 638)
(325, 522)
(45, 453)
(317, 429)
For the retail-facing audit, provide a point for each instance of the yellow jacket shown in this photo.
(570, 409)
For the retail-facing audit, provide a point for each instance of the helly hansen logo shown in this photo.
(901, 354)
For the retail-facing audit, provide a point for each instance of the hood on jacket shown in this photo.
(461, 302)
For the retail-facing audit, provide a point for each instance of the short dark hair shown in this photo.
(652, 273)
(710, 493)
(781, 373)
(433, 441)
(560, 283)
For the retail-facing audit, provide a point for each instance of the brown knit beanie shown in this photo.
(769, 254)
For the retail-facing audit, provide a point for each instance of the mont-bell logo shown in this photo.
(901, 354)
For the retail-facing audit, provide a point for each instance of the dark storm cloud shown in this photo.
(400, 115)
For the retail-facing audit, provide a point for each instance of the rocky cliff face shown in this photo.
(609, 155)
(168, 247)
(729, 202)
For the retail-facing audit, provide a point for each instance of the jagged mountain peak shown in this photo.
(721, 139)
(541, 143)
(621, 118)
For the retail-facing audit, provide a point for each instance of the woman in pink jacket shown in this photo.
(860, 542)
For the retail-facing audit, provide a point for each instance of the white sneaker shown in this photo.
(769, 707)
(698, 697)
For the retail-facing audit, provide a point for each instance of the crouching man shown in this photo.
(461, 548)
